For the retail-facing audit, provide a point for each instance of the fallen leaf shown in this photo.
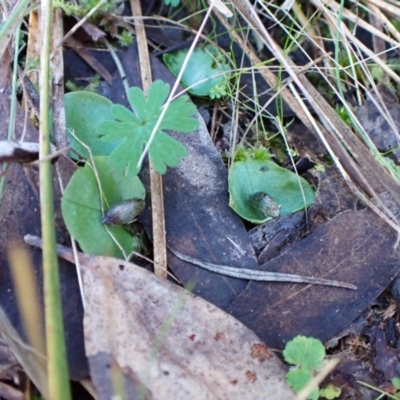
(354, 246)
(378, 122)
(163, 337)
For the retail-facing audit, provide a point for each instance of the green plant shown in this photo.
(111, 138)
(93, 85)
(81, 8)
(307, 356)
(92, 189)
(394, 395)
(85, 112)
(173, 3)
(396, 384)
(206, 73)
(133, 129)
(260, 190)
(125, 38)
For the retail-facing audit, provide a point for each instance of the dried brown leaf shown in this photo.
(173, 343)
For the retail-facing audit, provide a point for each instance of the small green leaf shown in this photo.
(173, 3)
(396, 383)
(305, 352)
(81, 207)
(330, 392)
(84, 112)
(258, 174)
(298, 378)
(206, 73)
(133, 130)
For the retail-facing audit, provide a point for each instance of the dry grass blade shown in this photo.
(326, 370)
(335, 7)
(28, 299)
(13, 19)
(32, 356)
(348, 37)
(157, 197)
(57, 70)
(32, 363)
(339, 133)
(385, 5)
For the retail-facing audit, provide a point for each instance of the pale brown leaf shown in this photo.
(175, 344)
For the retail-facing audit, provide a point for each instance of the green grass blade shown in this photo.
(56, 353)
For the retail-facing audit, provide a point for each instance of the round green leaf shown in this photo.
(85, 112)
(297, 379)
(206, 72)
(81, 207)
(251, 176)
(330, 392)
(304, 351)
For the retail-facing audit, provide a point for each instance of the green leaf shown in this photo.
(252, 176)
(134, 129)
(304, 351)
(330, 392)
(173, 3)
(84, 112)
(206, 73)
(396, 383)
(81, 207)
(298, 379)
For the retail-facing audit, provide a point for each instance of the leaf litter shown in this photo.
(337, 223)
(182, 197)
(176, 344)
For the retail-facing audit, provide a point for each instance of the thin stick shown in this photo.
(156, 186)
(257, 275)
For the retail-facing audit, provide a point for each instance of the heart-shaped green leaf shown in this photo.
(81, 208)
(206, 73)
(250, 177)
(85, 112)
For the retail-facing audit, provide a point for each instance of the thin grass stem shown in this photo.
(59, 387)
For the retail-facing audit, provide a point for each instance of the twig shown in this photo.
(257, 275)
(156, 187)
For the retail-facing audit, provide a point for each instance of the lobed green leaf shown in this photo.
(330, 392)
(298, 378)
(305, 351)
(122, 114)
(133, 130)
